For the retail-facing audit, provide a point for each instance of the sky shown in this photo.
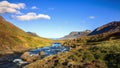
(57, 18)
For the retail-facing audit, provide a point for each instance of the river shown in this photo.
(16, 62)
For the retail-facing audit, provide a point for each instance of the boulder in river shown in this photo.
(27, 57)
(42, 54)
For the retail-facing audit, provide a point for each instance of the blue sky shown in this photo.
(56, 18)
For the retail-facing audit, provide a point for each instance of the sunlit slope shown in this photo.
(13, 39)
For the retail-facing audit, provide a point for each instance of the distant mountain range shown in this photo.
(74, 35)
(109, 28)
(14, 39)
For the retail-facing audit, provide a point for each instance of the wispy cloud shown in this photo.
(92, 17)
(34, 7)
(6, 7)
(32, 16)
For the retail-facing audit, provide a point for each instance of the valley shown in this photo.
(59, 33)
(90, 49)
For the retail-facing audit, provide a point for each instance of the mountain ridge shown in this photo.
(75, 34)
(110, 27)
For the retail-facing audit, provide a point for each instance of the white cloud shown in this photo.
(92, 17)
(8, 10)
(34, 7)
(32, 15)
(6, 7)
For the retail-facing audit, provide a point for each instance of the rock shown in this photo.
(30, 58)
(42, 54)
(19, 62)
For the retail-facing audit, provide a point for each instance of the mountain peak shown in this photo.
(110, 27)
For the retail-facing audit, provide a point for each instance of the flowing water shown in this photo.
(55, 48)
(16, 62)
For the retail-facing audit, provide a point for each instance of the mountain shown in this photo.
(107, 28)
(14, 39)
(32, 33)
(74, 35)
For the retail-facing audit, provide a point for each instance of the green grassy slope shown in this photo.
(13, 39)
